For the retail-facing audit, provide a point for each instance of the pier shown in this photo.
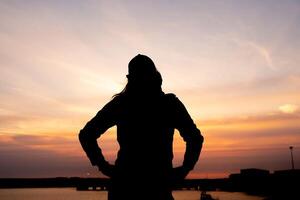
(188, 184)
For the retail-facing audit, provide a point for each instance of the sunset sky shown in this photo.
(234, 64)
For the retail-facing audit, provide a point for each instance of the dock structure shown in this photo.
(90, 188)
(93, 185)
(189, 184)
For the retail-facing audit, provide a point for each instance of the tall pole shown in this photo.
(292, 157)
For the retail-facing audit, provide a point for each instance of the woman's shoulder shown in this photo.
(174, 101)
(171, 97)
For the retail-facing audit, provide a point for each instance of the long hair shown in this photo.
(143, 77)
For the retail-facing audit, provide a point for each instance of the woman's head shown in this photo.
(141, 65)
(143, 77)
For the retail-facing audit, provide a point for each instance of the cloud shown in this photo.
(288, 108)
(261, 118)
(28, 155)
(42, 140)
(264, 52)
(251, 133)
(261, 50)
(227, 148)
(42, 156)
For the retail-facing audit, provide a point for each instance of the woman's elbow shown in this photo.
(82, 135)
(201, 138)
(198, 136)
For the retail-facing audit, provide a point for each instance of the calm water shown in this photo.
(72, 194)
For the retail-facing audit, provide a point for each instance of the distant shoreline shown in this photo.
(77, 182)
(277, 185)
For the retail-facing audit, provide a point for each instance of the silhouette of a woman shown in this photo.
(145, 118)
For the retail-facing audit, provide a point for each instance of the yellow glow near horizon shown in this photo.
(288, 108)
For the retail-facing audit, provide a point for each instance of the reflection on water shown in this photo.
(72, 194)
(195, 195)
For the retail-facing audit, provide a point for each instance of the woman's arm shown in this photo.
(88, 136)
(190, 134)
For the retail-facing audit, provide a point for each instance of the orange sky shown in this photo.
(234, 65)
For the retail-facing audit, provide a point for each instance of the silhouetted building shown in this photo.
(253, 172)
(250, 180)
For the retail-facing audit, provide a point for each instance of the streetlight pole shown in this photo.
(292, 157)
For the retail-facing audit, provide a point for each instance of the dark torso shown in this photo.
(145, 135)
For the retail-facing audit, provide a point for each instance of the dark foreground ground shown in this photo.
(278, 185)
